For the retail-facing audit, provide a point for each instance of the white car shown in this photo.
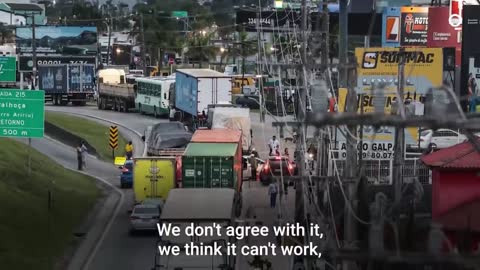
(144, 217)
(440, 138)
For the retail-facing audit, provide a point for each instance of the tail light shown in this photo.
(278, 157)
(266, 167)
(290, 167)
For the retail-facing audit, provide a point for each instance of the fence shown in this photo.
(379, 171)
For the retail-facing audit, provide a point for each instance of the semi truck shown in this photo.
(200, 207)
(114, 92)
(65, 83)
(195, 89)
(214, 165)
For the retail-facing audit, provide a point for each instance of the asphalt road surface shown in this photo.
(122, 251)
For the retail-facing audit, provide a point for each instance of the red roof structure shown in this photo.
(460, 156)
(455, 186)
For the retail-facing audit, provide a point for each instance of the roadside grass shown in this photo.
(97, 135)
(27, 242)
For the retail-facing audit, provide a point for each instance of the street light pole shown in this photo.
(109, 26)
(144, 58)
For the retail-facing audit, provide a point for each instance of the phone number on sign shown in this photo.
(377, 155)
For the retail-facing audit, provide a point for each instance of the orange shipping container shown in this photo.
(222, 135)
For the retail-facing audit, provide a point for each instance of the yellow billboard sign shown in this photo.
(380, 66)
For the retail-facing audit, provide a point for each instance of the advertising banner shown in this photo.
(423, 70)
(69, 40)
(470, 49)
(414, 26)
(25, 62)
(53, 78)
(8, 69)
(440, 33)
(391, 27)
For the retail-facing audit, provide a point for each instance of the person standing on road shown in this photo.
(274, 145)
(273, 191)
(79, 157)
(472, 92)
(253, 166)
(129, 150)
(83, 151)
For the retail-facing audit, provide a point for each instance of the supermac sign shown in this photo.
(370, 59)
(455, 18)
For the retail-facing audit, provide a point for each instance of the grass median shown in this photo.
(95, 134)
(27, 241)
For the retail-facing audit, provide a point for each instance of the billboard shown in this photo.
(69, 40)
(8, 69)
(414, 26)
(440, 33)
(470, 48)
(391, 27)
(423, 70)
(25, 62)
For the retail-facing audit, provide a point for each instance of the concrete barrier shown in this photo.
(68, 138)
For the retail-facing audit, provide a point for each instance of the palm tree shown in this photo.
(7, 34)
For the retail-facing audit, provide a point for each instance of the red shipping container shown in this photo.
(223, 135)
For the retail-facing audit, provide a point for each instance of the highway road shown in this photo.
(122, 251)
(133, 121)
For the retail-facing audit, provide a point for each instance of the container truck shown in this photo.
(64, 83)
(114, 92)
(200, 207)
(234, 118)
(213, 165)
(195, 89)
(220, 135)
(153, 177)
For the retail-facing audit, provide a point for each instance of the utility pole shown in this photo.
(144, 48)
(34, 54)
(350, 172)
(109, 25)
(343, 42)
(398, 157)
(259, 68)
(300, 209)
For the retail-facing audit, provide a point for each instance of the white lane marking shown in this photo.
(92, 254)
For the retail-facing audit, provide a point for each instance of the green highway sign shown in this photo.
(22, 113)
(8, 69)
(180, 14)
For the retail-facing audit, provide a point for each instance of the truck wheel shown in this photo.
(99, 104)
(125, 107)
(155, 112)
(103, 102)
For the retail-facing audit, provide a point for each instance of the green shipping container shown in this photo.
(210, 165)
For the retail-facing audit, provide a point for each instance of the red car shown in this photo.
(275, 166)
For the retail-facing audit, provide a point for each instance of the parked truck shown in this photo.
(213, 165)
(221, 135)
(64, 83)
(235, 118)
(114, 92)
(153, 177)
(199, 207)
(195, 89)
